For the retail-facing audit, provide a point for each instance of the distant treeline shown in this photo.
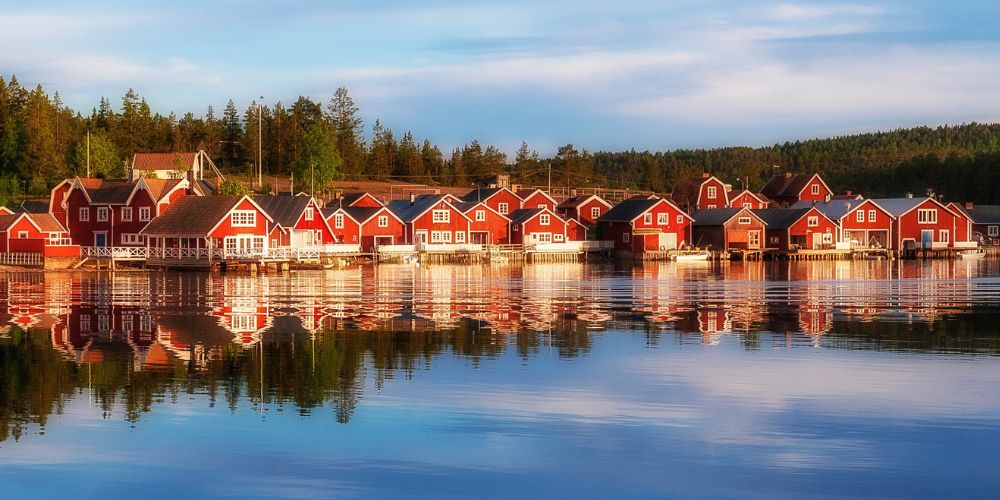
(42, 141)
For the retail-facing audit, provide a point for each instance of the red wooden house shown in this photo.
(370, 227)
(500, 199)
(639, 225)
(234, 223)
(790, 229)
(748, 199)
(699, 193)
(920, 223)
(35, 233)
(985, 219)
(963, 223)
(354, 200)
(529, 226)
(726, 229)
(576, 230)
(488, 227)
(344, 227)
(585, 209)
(431, 219)
(788, 188)
(298, 221)
(536, 198)
(862, 223)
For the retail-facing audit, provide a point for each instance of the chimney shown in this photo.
(413, 198)
(788, 175)
(572, 193)
(515, 187)
(705, 175)
(968, 205)
(909, 195)
(848, 193)
(827, 197)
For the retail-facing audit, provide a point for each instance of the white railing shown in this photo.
(449, 248)
(396, 249)
(563, 247)
(117, 253)
(966, 244)
(592, 246)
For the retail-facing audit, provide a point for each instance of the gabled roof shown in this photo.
(34, 206)
(7, 211)
(835, 210)
(959, 210)
(195, 215)
(524, 194)
(483, 194)
(731, 195)
(160, 188)
(285, 210)
(783, 185)
(163, 161)
(106, 191)
(7, 220)
(522, 215)
(409, 213)
(985, 214)
(576, 201)
(349, 199)
(784, 218)
(898, 207)
(630, 209)
(720, 216)
(46, 223)
(365, 214)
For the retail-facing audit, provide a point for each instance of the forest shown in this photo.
(43, 141)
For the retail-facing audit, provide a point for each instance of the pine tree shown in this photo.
(350, 131)
(433, 162)
(232, 137)
(411, 163)
(41, 158)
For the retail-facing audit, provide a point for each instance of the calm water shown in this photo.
(807, 379)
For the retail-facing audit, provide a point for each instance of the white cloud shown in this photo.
(796, 12)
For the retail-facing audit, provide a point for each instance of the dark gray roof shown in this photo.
(361, 214)
(407, 212)
(781, 218)
(716, 216)
(285, 210)
(480, 194)
(522, 215)
(192, 216)
(111, 192)
(782, 185)
(984, 214)
(833, 209)
(628, 210)
(899, 206)
(34, 206)
(465, 206)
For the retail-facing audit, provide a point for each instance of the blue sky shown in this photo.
(602, 75)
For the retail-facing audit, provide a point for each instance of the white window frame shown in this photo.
(812, 221)
(680, 219)
(480, 215)
(557, 237)
(243, 218)
(944, 235)
(310, 213)
(441, 216)
(626, 237)
(712, 192)
(84, 214)
(383, 221)
(503, 208)
(815, 189)
(126, 214)
(459, 237)
(517, 227)
(338, 221)
(859, 216)
(927, 216)
(595, 213)
(744, 221)
(22, 235)
(747, 204)
(662, 219)
(102, 214)
(647, 218)
(872, 216)
(144, 214)
(131, 239)
(992, 231)
(544, 219)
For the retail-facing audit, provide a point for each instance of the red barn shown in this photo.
(501, 200)
(787, 189)
(536, 225)
(489, 227)
(790, 229)
(354, 200)
(536, 198)
(921, 222)
(345, 228)
(748, 199)
(700, 193)
(726, 229)
(298, 221)
(638, 225)
(585, 209)
(35, 233)
(432, 219)
(377, 226)
(234, 223)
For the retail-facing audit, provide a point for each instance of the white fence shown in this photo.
(281, 253)
(396, 249)
(449, 248)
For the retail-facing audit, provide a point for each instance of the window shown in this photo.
(661, 219)
(543, 237)
(827, 238)
(542, 205)
(102, 214)
(927, 216)
(127, 323)
(747, 204)
(773, 240)
(744, 221)
(480, 215)
(710, 206)
(310, 213)
(143, 214)
(442, 216)
(595, 212)
(22, 235)
(711, 192)
(872, 216)
(680, 219)
(544, 219)
(812, 221)
(103, 323)
(84, 214)
(944, 235)
(502, 209)
(859, 216)
(383, 221)
(441, 236)
(625, 237)
(85, 322)
(647, 218)
(243, 218)
(126, 214)
(459, 237)
(815, 189)
(131, 239)
(146, 323)
(517, 227)
(993, 231)
(557, 237)
(338, 221)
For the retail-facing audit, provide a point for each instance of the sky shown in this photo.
(602, 75)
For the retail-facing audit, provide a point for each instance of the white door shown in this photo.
(753, 241)
(817, 241)
(668, 241)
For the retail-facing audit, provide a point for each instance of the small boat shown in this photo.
(692, 257)
(972, 254)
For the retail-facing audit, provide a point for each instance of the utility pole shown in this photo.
(312, 180)
(88, 153)
(260, 141)
(550, 176)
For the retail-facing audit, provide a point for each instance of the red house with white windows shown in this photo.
(748, 199)
(788, 188)
(862, 223)
(640, 225)
(699, 193)
(584, 209)
(488, 227)
(576, 230)
(370, 227)
(236, 224)
(529, 226)
(790, 229)
(432, 219)
(101, 212)
(500, 199)
(298, 221)
(344, 227)
(536, 198)
(921, 223)
(727, 229)
(35, 233)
